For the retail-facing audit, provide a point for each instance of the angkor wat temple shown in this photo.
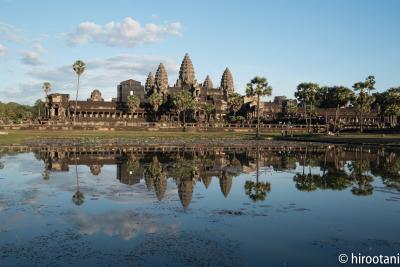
(95, 111)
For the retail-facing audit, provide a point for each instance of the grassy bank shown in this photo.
(353, 138)
(19, 137)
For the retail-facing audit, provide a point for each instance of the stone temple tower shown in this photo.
(161, 80)
(186, 73)
(208, 84)
(227, 82)
(149, 85)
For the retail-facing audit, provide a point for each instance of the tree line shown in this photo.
(308, 94)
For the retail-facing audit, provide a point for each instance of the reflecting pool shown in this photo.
(291, 205)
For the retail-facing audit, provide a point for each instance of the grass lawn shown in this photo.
(19, 136)
(351, 138)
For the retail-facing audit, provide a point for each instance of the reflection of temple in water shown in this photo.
(333, 167)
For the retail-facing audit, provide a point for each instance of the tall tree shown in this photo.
(183, 101)
(258, 87)
(389, 104)
(334, 97)
(79, 68)
(133, 103)
(235, 102)
(208, 109)
(364, 100)
(323, 100)
(306, 94)
(155, 101)
(46, 88)
(341, 96)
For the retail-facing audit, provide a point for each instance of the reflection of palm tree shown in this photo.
(388, 168)
(46, 174)
(305, 182)
(78, 198)
(362, 181)
(335, 179)
(363, 186)
(332, 177)
(257, 191)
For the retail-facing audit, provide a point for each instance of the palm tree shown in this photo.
(235, 102)
(343, 96)
(183, 101)
(79, 67)
(155, 100)
(46, 88)
(133, 103)
(208, 109)
(364, 99)
(306, 93)
(258, 86)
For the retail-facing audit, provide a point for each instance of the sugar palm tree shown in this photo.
(258, 86)
(208, 109)
(343, 96)
(133, 103)
(364, 99)
(155, 100)
(235, 102)
(46, 88)
(183, 101)
(307, 93)
(79, 67)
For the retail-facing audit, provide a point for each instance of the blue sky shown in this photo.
(329, 42)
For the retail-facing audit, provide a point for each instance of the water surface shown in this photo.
(269, 206)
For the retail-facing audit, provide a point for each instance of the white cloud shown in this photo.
(3, 50)
(127, 33)
(34, 56)
(10, 33)
(103, 74)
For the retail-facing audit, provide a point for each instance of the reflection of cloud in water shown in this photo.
(119, 223)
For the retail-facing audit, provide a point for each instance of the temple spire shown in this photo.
(227, 82)
(149, 85)
(186, 72)
(161, 79)
(208, 84)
